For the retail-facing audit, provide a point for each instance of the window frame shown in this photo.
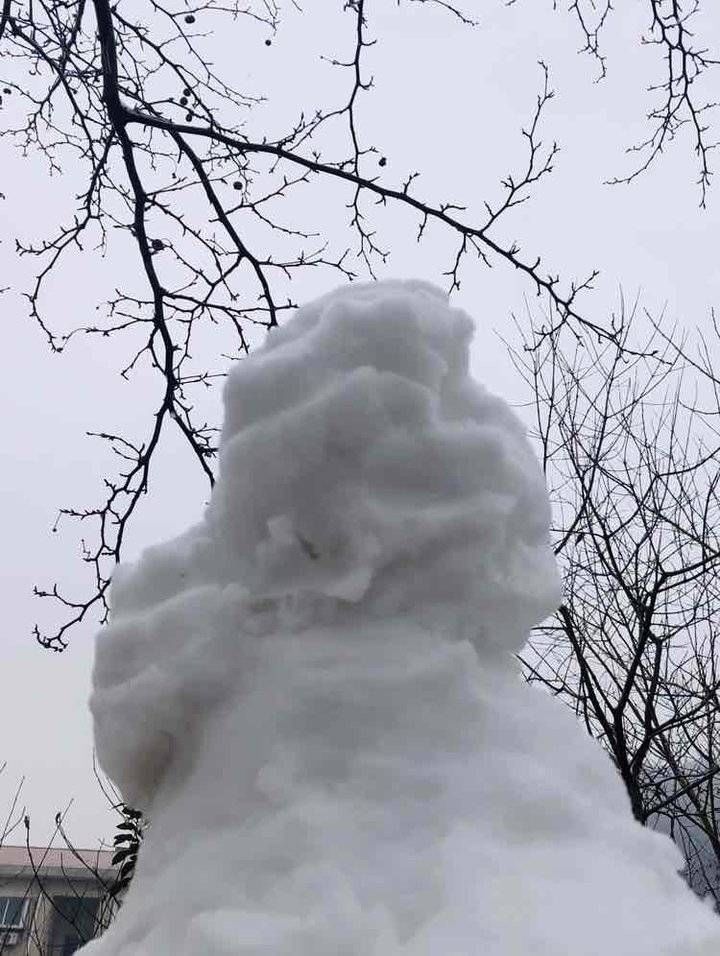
(5, 902)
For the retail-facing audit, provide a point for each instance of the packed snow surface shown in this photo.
(313, 694)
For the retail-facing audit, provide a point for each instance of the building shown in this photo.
(52, 900)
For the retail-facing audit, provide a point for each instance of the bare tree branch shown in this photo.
(169, 161)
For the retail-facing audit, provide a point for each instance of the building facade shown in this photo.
(52, 900)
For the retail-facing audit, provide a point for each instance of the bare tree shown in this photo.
(679, 98)
(16, 811)
(172, 159)
(631, 457)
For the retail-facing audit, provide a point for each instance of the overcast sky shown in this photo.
(449, 102)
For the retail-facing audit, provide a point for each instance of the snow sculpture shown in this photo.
(313, 696)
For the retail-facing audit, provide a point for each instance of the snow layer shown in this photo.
(312, 693)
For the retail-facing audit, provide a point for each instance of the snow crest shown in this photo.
(313, 696)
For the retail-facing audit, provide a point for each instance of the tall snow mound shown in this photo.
(312, 693)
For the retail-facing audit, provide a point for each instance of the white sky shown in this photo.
(449, 102)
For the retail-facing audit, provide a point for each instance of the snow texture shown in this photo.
(312, 693)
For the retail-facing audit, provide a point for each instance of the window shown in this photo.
(75, 921)
(12, 912)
